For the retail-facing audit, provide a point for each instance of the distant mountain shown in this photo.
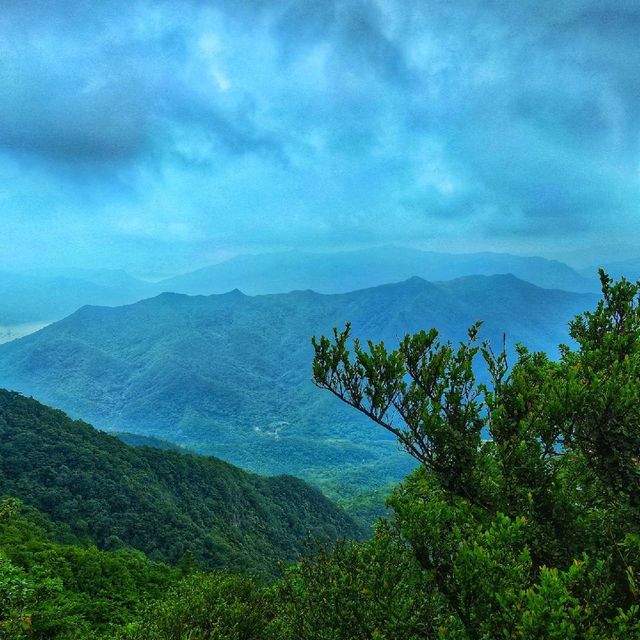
(27, 300)
(630, 269)
(36, 299)
(161, 502)
(230, 374)
(115, 279)
(351, 270)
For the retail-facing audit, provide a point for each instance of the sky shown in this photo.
(163, 136)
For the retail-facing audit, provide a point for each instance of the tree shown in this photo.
(525, 510)
(214, 606)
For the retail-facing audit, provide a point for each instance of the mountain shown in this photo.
(351, 270)
(630, 269)
(114, 279)
(229, 375)
(37, 299)
(28, 301)
(160, 502)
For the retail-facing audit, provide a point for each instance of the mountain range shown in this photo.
(340, 272)
(630, 269)
(38, 298)
(229, 375)
(32, 298)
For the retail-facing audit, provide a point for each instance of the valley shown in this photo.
(15, 331)
(229, 375)
(320, 320)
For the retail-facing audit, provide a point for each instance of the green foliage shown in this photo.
(601, 391)
(52, 590)
(357, 591)
(521, 521)
(228, 375)
(16, 594)
(524, 512)
(163, 503)
(214, 606)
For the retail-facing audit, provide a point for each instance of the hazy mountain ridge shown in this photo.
(30, 298)
(630, 269)
(230, 374)
(36, 298)
(345, 271)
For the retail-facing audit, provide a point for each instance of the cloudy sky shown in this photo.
(162, 136)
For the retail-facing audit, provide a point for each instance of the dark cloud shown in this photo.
(74, 126)
(228, 124)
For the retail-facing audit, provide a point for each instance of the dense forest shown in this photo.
(164, 503)
(521, 520)
(228, 375)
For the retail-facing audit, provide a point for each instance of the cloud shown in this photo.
(220, 126)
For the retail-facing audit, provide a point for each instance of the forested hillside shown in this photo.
(229, 374)
(521, 521)
(164, 503)
(53, 585)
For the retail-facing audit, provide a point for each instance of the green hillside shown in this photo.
(530, 533)
(137, 440)
(164, 503)
(229, 375)
(62, 588)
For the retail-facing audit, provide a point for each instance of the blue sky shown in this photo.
(162, 136)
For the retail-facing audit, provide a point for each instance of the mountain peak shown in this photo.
(416, 280)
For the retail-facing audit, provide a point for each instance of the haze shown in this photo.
(159, 137)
